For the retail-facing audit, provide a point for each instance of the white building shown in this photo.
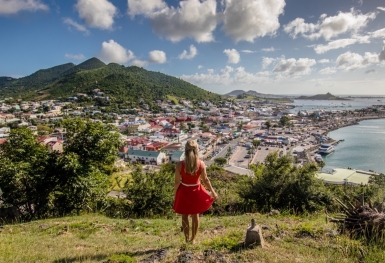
(146, 157)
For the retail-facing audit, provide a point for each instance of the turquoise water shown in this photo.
(363, 147)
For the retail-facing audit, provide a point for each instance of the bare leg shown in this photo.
(195, 226)
(186, 227)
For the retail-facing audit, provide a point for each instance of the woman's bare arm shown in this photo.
(207, 182)
(178, 177)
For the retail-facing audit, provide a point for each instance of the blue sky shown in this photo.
(270, 46)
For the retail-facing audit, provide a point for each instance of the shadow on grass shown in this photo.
(100, 257)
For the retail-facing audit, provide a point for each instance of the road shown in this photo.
(223, 152)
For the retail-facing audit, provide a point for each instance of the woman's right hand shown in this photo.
(214, 196)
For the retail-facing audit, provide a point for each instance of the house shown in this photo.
(177, 156)
(122, 151)
(55, 146)
(146, 157)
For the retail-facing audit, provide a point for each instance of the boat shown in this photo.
(325, 148)
(318, 158)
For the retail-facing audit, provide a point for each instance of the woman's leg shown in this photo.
(195, 226)
(186, 227)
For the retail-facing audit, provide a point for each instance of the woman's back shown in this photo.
(190, 178)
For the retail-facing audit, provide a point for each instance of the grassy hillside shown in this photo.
(95, 238)
(130, 86)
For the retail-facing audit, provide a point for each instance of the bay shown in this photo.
(363, 148)
(351, 104)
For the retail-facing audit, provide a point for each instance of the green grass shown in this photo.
(95, 238)
(173, 98)
(118, 180)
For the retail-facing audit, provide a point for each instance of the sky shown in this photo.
(269, 46)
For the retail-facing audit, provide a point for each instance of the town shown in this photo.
(238, 130)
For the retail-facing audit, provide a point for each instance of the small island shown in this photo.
(327, 96)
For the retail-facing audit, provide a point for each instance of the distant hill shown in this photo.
(327, 96)
(235, 92)
(127, 86)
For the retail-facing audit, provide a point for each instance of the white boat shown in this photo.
(318, 158)
(325, 148)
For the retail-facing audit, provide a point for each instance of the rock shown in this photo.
(186, 257)
(124, 230)
(147, 222)
(265, 227)
(214, 256)
(254, 235)
(274, 212)
(44, 226)
(158, 256)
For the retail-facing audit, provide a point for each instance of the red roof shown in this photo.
(2, 141)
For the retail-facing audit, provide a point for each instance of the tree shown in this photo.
(256, 142)
(220, 161)
(25, 177)
(268, 125)
(182, 126)
(277, 184)
(150, 194)
(284, 120)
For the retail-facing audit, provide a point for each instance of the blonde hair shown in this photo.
(191, 157)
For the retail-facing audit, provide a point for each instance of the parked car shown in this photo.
(247, 156)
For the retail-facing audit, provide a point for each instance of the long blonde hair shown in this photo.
(191, 157)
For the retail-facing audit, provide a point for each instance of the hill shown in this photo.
(235, 92)
(327, 96)
(254, 93)
(129, 86)
(96, 238)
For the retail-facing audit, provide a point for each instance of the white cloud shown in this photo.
(228, 76)
(157, 56)
(147, 7)
(292, 66)
(97, 13)
(186, 55)
(351, 61)
(139, 63)
(328, 70)
(266, 61)
(113, 52)
(340, 43)
(323, 61)
(193, 19)
(378, 33)
(81, 28)
(249, 19)
(329, 27)
(248, 51)
(200, 66)
(299, 27)
(233, 56)
(8, 7)
(270, 49)
(76, 57)
(381, 8)
(210, 71)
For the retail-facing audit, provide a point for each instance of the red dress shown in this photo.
(191, 197)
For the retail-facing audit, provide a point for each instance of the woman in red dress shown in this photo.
(191, 198)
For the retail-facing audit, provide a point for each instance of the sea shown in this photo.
(363, 145)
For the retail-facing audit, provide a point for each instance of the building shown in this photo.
(345, 176)
(146, 157)
(177, 156)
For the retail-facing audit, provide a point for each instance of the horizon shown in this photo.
(276, 46)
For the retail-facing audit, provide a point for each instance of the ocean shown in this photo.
(364, 143)
(362, 149)
(352, 104)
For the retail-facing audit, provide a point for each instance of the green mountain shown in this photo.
(327, 96)
(124, 86)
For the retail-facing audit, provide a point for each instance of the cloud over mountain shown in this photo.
(97, 13)
(187, 55)
(292, 66)
(113, 52)
(157, 56)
